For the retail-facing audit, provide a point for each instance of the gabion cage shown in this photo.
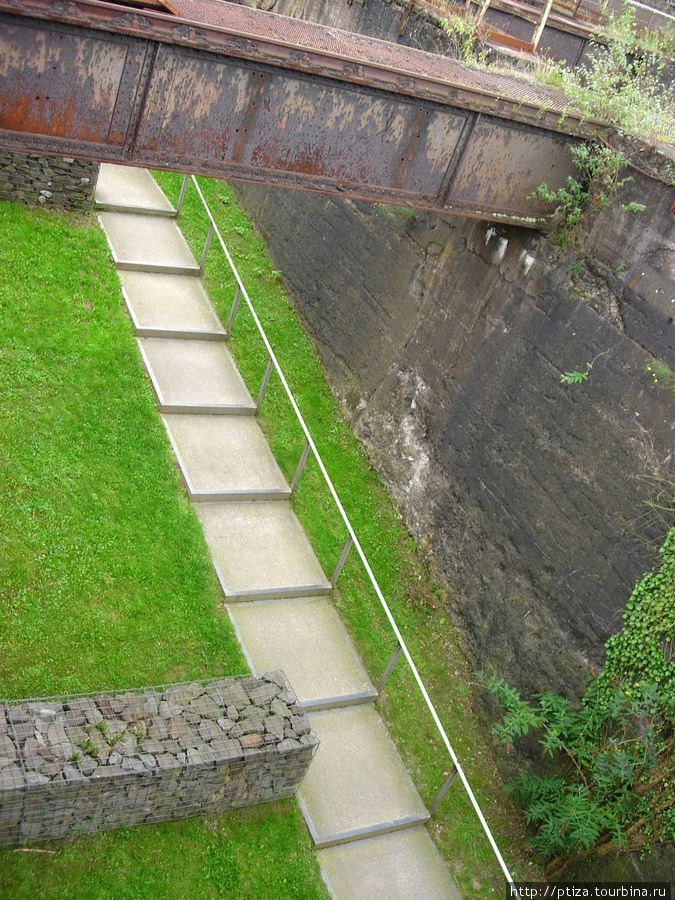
(93, 762)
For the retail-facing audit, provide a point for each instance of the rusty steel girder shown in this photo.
(247, 95)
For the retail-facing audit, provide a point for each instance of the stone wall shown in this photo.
(71, 765)
(56, 182)
(445, 340)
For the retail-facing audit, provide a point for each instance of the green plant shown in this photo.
(573, 377)
(406, 213)
(464, 34)
(620, 83)
(89, 748)
(599, 169)
(643, 651)
(116, 737)
(616, 751)
(576, 268)
(661, 374)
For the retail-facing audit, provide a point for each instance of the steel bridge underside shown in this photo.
(223, 90)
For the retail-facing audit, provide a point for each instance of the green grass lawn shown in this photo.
(416, 601)
(105, 579)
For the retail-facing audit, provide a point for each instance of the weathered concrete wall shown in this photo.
(378, 18)
(90, 763)
(56, 182)
(446, 339)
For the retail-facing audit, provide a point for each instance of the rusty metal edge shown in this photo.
(52, 146)
(166, 28)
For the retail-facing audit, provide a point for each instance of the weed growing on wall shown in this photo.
(574, 377)
(582, 199)
(661, 373)
(616, 752)
(465, 39)
(621, 83)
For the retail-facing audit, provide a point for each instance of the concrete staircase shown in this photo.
(364, 815)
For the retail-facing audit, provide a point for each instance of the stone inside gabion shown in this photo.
(61, 182)
(204, 734)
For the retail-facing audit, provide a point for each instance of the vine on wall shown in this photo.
(616, 752)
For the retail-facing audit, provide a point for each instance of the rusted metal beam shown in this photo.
(247, 95)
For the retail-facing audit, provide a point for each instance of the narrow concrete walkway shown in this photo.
(364, 815)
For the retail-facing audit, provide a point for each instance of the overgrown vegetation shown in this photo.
(616, 752)
(580, 201)
(465, 38)
(620, 83)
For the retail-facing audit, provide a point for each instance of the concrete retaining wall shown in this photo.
(72, 765)
(57, 182)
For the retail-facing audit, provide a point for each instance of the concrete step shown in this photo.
(147, 244)
(357, 785)
(169, 306)
(225, 458)
(361, 808)
(307, 639)
(128, 189)
(404, 865)
(195, 376)
(260, 550)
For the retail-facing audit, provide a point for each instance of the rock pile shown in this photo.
(61, 182)
(89, 763)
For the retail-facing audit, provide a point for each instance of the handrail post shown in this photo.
(390, 665)
(343, 559)
(539, 30)
(233, 310)
(300, 467)
(443, 791)
(263, 386)
(206, 249)
(181, 196)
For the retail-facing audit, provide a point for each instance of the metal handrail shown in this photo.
(273, 363)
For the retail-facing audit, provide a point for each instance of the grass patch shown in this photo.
(262, 852)
(105, 578)
(415, 600)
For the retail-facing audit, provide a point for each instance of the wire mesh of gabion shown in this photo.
(75, 764)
